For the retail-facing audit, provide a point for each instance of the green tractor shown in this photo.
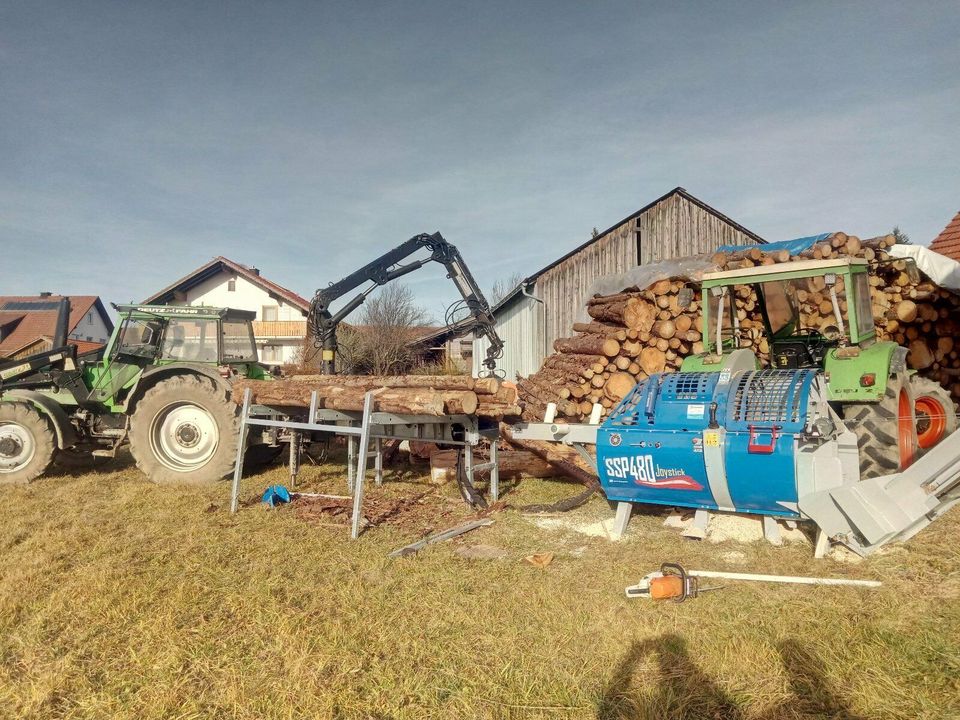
(894, 412)
(161, 384)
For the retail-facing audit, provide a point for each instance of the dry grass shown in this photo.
(123, 599)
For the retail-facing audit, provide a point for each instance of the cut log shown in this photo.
(588, 345)
(618, 385)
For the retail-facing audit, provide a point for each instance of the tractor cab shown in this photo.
(162, 334)
(840, 289)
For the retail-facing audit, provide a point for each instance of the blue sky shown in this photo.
(138, 140)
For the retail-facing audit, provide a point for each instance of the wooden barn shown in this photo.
(545, 305)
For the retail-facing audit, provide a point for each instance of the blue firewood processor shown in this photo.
(766, 442)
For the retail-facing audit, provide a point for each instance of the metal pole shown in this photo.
(495, 470)
(378, 461)
(241, 445)
(361, 464)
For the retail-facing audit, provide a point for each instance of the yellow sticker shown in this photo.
(711, 439)
(328, 354)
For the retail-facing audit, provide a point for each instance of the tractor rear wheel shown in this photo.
(26, 443)
(935, 411)
(886, 430)
(185, 430)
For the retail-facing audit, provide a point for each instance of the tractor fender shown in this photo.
(62, 428)
(153, 375)
(845, 367)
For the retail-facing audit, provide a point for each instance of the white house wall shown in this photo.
(91, 327)
(214, 292)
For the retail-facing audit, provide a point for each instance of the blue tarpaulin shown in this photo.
(794, 247)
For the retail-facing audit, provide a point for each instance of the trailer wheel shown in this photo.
(935, 411)
(886, 431)
(185, 430)
(26, 443)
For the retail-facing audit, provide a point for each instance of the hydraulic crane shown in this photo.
(386, 268)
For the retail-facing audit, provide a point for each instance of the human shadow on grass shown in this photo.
(685, 691)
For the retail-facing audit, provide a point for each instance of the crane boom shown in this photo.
(387, 267)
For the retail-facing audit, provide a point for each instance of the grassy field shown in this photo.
(123, 599)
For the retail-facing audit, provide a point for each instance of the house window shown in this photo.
(231, 285)
(269, 313)
(89, 318)
(271, 354)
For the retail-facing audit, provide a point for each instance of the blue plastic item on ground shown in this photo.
(276, 495)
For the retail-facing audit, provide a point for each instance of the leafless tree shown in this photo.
(503, 286)
(377, 340)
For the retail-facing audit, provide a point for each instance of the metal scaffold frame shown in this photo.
(460, 430)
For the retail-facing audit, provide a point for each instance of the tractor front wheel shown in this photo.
(26, 443)
(185, 430)
(935, 411)
(886, 430)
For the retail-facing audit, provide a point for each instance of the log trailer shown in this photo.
(830, 434)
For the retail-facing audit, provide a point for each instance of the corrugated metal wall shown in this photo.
(674, 227)
(520, 326)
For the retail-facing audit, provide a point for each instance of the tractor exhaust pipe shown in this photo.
(63, 323)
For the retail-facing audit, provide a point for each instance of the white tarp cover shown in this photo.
(643, 276)
(939, 268)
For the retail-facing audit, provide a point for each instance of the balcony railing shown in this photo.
(276, 329)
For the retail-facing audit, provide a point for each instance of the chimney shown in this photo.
(46, 293)
(255, 271)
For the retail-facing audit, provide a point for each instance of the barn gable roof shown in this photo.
(679, 191)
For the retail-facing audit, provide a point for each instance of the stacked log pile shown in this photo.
(640, 331)
(434, 395)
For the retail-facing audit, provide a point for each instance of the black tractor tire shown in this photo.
(935, 410)
(886, 430)
(26, 443)
(185, 430)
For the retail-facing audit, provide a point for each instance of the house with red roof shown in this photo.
(29, 322)
(281, 323)
(948, 242)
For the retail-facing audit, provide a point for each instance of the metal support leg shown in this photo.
(351, 460)
(468, 463)
(620, 522)
(698, 528)
(378, 461)
(361, 465)
(241, 446)
(494, 471)
(294, 461)
(771, 531)
(822, 546)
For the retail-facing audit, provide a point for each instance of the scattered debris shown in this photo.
(540, 560)
(440, 537)
(731, 526)
(481, 552)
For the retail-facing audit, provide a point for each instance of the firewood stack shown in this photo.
(434, 395)
(637, 332)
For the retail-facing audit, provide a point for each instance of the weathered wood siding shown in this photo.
(674, 227)
(677, 227)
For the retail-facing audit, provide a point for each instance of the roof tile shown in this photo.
(948, 242)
